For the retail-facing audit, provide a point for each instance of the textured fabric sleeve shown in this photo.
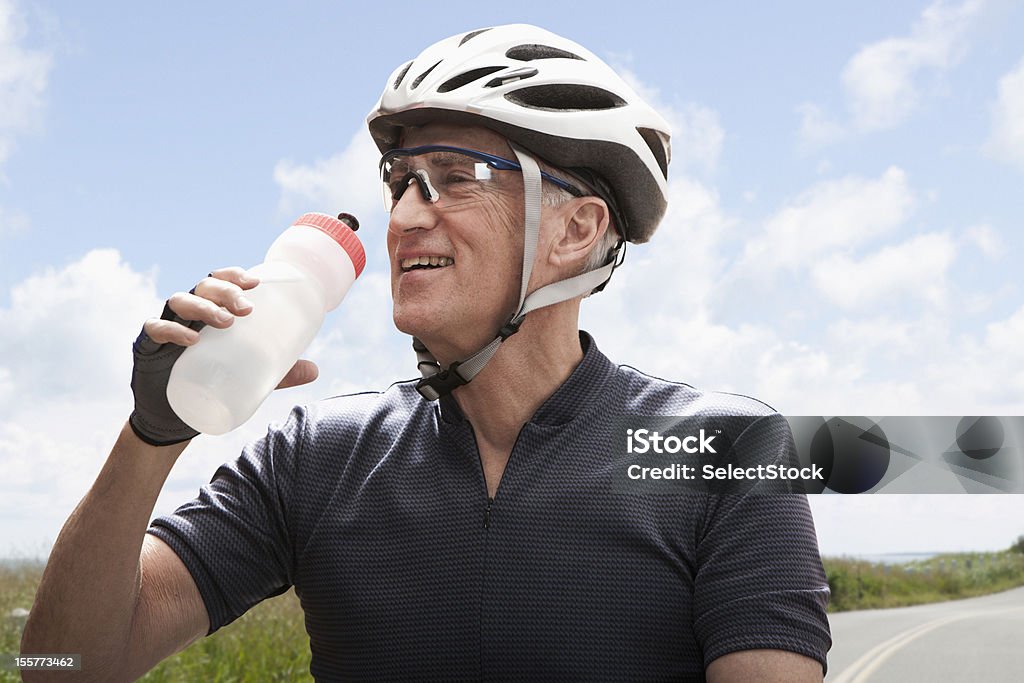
(234, 537)
(760, 583)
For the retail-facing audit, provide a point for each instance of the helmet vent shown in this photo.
(565, 97)
(528, 53)
(419, 79)
(511, 76)
(658, 142)
(468, 77)
(471, 35)
(401, 75)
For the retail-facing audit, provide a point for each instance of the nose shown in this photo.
(412, 212)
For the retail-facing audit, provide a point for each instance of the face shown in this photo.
(457, 305)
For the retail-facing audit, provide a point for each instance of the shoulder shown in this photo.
(747, 431)
(329, 431)
(651, 395)
(397, 406)
(339, 440)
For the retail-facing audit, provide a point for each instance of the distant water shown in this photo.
(893, 558)
(18, 563)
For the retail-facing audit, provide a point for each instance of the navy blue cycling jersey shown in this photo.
(374, 507)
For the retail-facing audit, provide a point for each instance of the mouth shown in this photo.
(425, 263)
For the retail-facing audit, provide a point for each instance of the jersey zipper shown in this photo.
(487, 513)
(487, 526)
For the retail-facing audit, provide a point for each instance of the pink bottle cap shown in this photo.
(340, 233)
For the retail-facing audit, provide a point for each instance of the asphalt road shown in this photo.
(979, 639)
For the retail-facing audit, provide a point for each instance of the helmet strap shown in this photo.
(438, 382)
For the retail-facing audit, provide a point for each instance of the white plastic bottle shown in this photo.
(219, 382)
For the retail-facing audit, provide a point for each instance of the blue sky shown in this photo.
(844, 235)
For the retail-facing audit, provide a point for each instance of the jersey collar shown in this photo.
(579, 392)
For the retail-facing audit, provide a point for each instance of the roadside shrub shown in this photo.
(1018, 546)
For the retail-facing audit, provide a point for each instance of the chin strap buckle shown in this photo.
(510, 328)
(444, 382)
(441, 384)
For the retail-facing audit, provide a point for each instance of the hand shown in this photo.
(215, 301)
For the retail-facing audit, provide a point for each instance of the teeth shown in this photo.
(427, 261)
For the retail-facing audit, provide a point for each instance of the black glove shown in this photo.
(153, 421)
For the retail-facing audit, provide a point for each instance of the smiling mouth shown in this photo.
(425, 263)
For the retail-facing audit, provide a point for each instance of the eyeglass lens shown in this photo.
(446, 178)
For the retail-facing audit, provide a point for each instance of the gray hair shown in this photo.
(553, 195)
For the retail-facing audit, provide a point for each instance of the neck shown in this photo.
(527, 369)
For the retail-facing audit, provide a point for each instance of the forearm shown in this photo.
(87, 597)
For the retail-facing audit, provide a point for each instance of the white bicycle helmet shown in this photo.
(547, 94)
(551, 96)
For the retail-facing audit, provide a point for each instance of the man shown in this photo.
(466, 526)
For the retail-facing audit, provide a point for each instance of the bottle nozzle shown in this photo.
(349, 220)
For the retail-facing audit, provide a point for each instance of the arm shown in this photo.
(761, 591)
(120, 601)
(765, 666)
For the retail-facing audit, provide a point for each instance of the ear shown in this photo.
(584, 223)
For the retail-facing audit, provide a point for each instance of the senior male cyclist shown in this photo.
(462, 526)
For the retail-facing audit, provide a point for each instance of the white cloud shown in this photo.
(800, 379)
(997, 364)
(986, 239)
(817, 129)
(830, 215)
(915, 269)
(871, 335)
(659, 314)
(885, 81)
(64, 387)
(881, 81)
(347, 181)
(23, 77)
(697, 137)
(980, 373)
(57, 330)
(849, 525)
(1006, 141)
(6, 385)
(12, 222)
(1004, 337)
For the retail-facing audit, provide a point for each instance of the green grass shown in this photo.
(267, 643)
(863, 585)
(17, 587)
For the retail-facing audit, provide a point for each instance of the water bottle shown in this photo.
(219, 382)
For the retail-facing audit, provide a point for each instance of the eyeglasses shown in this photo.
(447, 176)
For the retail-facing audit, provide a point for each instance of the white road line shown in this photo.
(870, 661)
